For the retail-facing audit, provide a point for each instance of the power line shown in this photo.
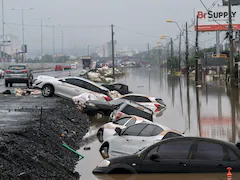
(68, 27)
(136, 32)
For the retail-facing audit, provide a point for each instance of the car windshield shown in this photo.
(17, 67)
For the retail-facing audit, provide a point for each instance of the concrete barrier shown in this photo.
(35, 66)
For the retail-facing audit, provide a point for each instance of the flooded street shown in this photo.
(211, 117)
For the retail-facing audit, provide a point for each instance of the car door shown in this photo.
(144, 139)
(234, 160)
(208, 157)
(173, 157)
(129, 134)
(66, 88)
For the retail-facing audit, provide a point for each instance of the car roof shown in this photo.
(137, 95)
(200, 139)
(86, 80)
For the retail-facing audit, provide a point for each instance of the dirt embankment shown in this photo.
(35, 152)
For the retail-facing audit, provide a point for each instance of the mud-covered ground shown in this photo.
(31, 140)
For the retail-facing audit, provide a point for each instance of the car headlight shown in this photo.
(104, 163)
(91, 104)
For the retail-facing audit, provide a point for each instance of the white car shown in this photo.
(73, 66)
(1, 73)
(69, 87)
(135, 138)
(108, 130)
(153, 103)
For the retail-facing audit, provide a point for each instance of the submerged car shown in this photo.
(18, 73)
(153, 103)
(108, 130)
(177, 155)
(132, 108)
(100, 109)
(69, 87)
(121, 88)
(133, 138)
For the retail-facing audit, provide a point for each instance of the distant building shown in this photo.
(126, 52)
(12, 44)
(106, 49)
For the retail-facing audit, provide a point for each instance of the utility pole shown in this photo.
(88, 50)
(113, 54)
(179, 63)
(53, 41)
(148, 46)
(230, 29)
(3, 29)
(62, 41)
(196, 54)
(187, 63)
(23, 35)
(172, 48)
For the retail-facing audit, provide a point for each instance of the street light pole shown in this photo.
(62, 41)
(230, 29)
(23, 38)
(3, 29)
(53, 41)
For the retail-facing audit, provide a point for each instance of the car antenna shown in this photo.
(185, 131)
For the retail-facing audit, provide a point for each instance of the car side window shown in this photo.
(209, 151)
(134, 130)
(90, 87)
(74, 82)
(141, 99)
(175, 149)
(121, 121)
(130, 98)
(232, 155)
(151, 130)
(117, 86)
(171, 135)
(151, 152)
(131, 122)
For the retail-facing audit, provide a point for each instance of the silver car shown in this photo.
(69, 87)
(18, 73)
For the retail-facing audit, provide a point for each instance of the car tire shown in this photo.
(11, 84)
(99, 115)
(100, 135)
(6, 84)
(104, 151)
(47, 90)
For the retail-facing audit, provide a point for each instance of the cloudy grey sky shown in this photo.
(129, 17)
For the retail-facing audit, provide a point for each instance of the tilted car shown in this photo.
(108, 130)
(153, 103)
(18, 73)
(132, 108)
(133, 138)
(100, 109)
(121, 88)
(177, 155)
(68, 87)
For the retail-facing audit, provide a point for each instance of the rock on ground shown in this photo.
(35, 151)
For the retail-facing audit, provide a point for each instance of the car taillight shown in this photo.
(8, 71)
(119, 114)
(158, 107)
(25, 71)
(107, 98)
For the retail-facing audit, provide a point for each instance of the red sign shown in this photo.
(217, 27)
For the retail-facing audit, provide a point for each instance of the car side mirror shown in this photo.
(62, 80)
(118, 131)
(155, 157)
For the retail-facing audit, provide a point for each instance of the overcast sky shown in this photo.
(129, 16)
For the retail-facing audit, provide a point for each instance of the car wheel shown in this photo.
(6, 84)
(11, 84)
(100, 135)
(104, 151)
(99, 115)
(47, 91)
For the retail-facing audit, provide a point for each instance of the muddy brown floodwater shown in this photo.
(216, 115)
